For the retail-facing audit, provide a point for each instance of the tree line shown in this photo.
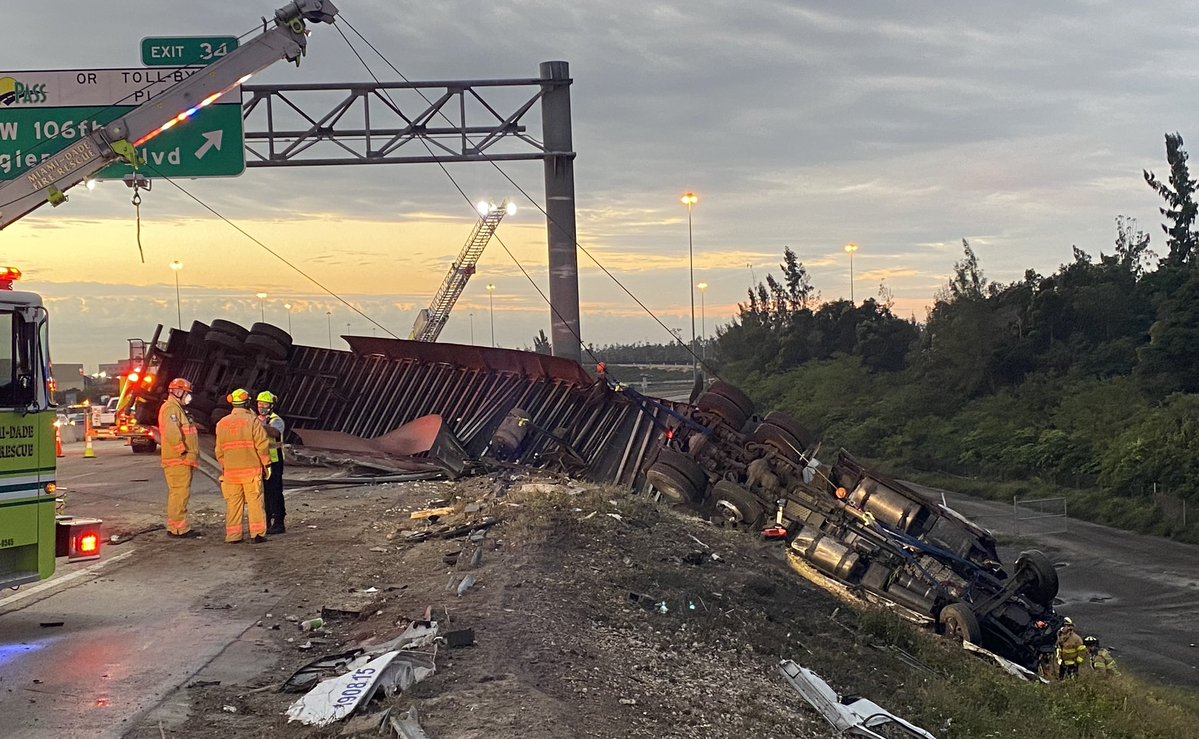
(1087, 378)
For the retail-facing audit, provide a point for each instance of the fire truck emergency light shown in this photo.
(77, 539)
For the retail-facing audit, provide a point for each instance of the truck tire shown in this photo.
(220, 340)
(274, 332)
(722, 407)
(733, 505)
(1043, 582)
(230, 328)
(678, 477)
(780, 439)
(795, 428)
(143, 446)
(733, 394)
(195, 337)
(265, 346)
(958, 622)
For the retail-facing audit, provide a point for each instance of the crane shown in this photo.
(430, 321)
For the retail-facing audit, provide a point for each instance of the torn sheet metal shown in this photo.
(334, 699)
(859, 717)
(1009, 666)
(393, 666)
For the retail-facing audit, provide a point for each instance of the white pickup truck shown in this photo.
(105, 415)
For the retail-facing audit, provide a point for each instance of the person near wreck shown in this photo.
(272, 483)
(180, 456)
(243, 449)
(1102, 661)
(1071, 651)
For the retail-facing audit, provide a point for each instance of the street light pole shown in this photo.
(690, 199)
(175, 267)
(472, 329)
(491, 299)
(287, 307)
(329, 319)
(850, 248)
(262, 305)
(703, 320)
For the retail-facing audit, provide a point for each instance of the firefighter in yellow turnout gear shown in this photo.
(180, 455)
(242, 449)
(1071, 651)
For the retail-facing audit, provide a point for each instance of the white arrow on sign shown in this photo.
(212, 140)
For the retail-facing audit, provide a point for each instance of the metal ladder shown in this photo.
(431, 321)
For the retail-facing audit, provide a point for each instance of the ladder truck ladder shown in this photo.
(430, 321)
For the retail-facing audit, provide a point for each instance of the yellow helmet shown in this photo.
(266, 396)
(239, 397)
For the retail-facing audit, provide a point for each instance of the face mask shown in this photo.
(186, 399)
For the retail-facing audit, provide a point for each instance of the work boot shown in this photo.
(276, 528)
(257, 539)
(189, 534)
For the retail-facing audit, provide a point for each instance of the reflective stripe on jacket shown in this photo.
(1103, 661)
(1071, 651)
(275, 422)
(180, 445)
(241, 446)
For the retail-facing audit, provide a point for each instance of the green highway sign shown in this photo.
(209, 144)
(186, 51)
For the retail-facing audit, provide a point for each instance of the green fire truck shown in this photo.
(30, 533)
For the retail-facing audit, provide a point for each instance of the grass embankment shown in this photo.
(965, 697)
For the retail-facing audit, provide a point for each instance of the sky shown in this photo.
(1022, 127)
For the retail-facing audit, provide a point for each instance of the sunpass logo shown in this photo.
(13, 92)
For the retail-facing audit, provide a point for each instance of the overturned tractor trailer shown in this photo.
(850, 529)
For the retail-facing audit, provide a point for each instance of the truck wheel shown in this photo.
(724, 408)
(143, 446)
(230, 328)
(221, 340)
(959, 622)
(266, 346)
(790, 425)
(778, 438)
(733, 505)
(199, 329)
(677, 476)
(734, 394)
(273, 332)
(1043, 582)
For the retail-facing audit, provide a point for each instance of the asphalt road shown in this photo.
(1138, 594)
(86, 652)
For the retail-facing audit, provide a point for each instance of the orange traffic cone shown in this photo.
(58, 441)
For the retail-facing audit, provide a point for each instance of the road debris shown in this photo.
(409, 726)
(856, 717)
(460, 638)
(393, 667)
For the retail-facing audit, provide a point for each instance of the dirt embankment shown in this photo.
(560, 650)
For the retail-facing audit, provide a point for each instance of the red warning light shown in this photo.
(89, 543)
(133, 376)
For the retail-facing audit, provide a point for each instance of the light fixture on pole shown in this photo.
(262, 305)
(329, 319)
(850, 248)
(491, 299)
(690, 199)
(703, 320)
(287, 307)
(175, 267)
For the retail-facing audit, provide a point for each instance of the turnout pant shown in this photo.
(243, 498)
(273, 491)
(179, 484)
